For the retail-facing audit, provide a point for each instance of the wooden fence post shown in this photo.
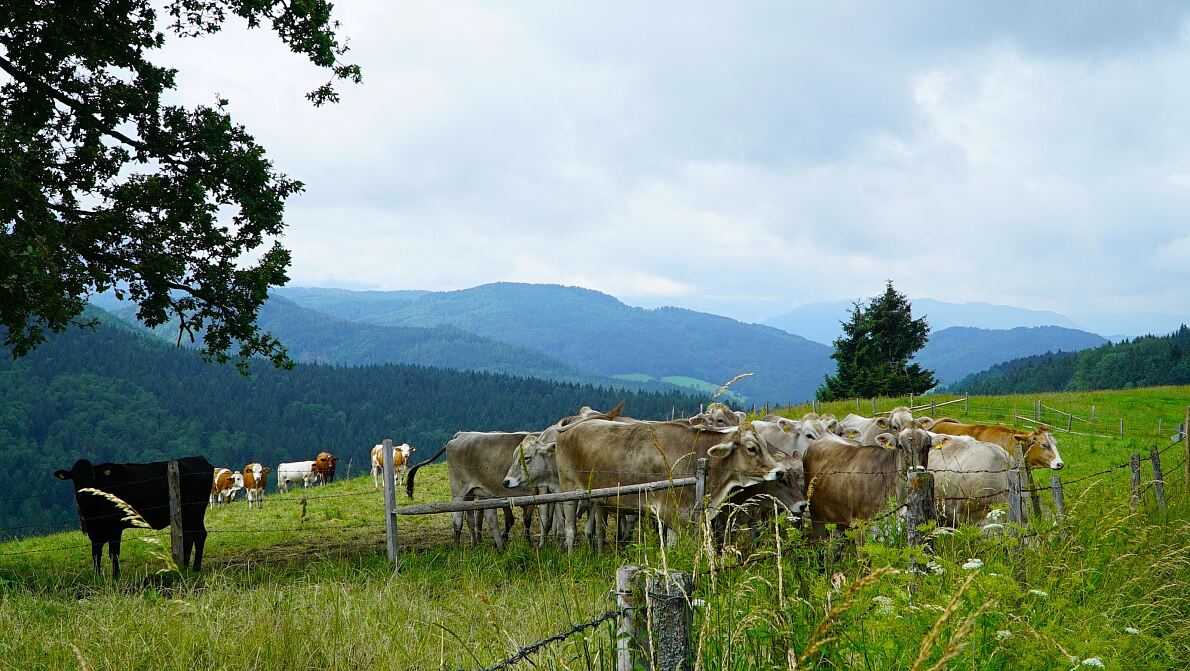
(1160, 423)
(1121, 427)
(174, 481)
(1186, 437)
(1158, 478)
(671, 620)
(967, 404)
(1059, 499)
(919, 506)
(1023, 475)
(1135, 463)
(933, 408)
(873, 406)
(1034, 492)
(628, 601)
(390, 502)
(1016, 512)
(1037, 410)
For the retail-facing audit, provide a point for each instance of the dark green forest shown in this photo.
(1141, 362)
(117, 394)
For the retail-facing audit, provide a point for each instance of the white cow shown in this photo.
(969, 477)
(296, 471)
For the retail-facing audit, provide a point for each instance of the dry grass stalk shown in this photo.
(931, 638)
(130, 514)
(729, 383)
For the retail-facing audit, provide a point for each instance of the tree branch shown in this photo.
(83, 113)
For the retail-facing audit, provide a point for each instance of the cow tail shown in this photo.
(413, 470)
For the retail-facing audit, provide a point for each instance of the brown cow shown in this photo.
(1041, 450)
(324, 467)
(256, 478)
(601, 453)
(848, 481)
(224, 485)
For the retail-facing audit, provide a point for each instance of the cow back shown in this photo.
(145, 487)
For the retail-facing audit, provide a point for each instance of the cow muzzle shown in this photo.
(800, 508)
(1057, 465)
(513, 483)
(775, 474)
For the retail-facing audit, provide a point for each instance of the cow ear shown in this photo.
(721, 450)
(547, 448)
(851, 433)
(942, 443)
(886, 440)
(741, 415)
(882, 422)
(61, 474)
(924, 422)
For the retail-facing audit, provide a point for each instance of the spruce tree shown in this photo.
(874, 351)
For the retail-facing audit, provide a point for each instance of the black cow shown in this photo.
(146, 489)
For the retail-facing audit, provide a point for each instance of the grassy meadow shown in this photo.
(1109, 587)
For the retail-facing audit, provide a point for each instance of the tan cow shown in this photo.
(718, 415)
(1039, 445)
(225, 485)
(401, 458)
(848, 481)
(601, 453)
(256, 478)
(969, 478)
(863, 429)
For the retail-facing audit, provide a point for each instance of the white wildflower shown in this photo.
(942, 531)
(996, 514)
(993, 527)
(1093, 661)
(1003, 634)
(935, 567)
(972, 564)
(1038, 592)
(1131, 630)
(884, 604)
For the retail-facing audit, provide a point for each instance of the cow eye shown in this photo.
(751, 449)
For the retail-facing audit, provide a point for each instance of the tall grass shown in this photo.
(1110, 585)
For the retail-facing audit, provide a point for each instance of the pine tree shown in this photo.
(874, 351)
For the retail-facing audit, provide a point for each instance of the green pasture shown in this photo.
(279, 591)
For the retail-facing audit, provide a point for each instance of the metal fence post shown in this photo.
(671, 621)
(1158, 478)
(174, 481)
(390, 502)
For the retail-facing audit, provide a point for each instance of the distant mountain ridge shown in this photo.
(955, 352)
(597, 333)
(820, 322)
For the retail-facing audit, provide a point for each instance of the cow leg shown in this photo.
(527, 513)
(113, 550)
(497, 535)
(546, 520)
(457, 521)
(569, 513)
(199, 541)
(509, 520)
(625, 527)
(97, 556)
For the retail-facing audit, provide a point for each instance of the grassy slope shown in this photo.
(284, 599)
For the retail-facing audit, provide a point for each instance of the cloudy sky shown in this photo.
(740, 158)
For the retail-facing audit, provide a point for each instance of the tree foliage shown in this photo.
(104, 185)
(874, 351)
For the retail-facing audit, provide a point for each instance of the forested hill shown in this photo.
(1143, 362)
(952, 353)
(596, 333)
(113, 394)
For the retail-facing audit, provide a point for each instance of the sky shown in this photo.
(739, 158)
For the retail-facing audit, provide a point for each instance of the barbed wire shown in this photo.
(527, 650)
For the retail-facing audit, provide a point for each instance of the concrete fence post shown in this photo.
(174, 482)
(628, 632)
(671, 621)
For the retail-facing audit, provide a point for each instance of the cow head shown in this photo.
(1040, 448)
(830, 422)
(82, 473)
(717, 416)
(899, 419)
(533, 462)
(407, 450)
(742, 459)
(237, 479)
(914, 444)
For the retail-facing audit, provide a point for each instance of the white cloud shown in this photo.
(742, 160)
